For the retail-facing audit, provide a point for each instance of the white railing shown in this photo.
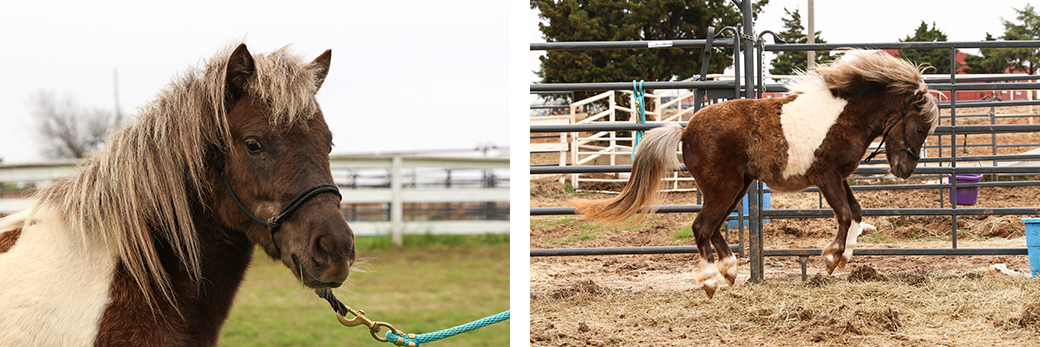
(615, 150)
(399, 190)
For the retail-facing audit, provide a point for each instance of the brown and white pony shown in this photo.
(815, 137)
(146, 246)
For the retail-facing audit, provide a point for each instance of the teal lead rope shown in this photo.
(640, 107)
(409, 339)
(393, 335)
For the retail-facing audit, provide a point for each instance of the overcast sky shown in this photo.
(405, 75)
(871, 21)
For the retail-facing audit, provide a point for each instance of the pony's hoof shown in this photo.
(709, 287)
(831, 263)
(866, 228)
(730, 279)
(842, 263)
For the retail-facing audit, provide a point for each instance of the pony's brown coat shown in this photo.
(8, 239)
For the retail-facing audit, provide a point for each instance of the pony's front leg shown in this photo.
(848, 213)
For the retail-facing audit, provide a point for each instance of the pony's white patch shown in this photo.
(806, 120)
(54, 285)
(850, 239)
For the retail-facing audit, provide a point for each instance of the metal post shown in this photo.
(749, 48)
(804, 261)
(953, 143)
(754, 192)
(810, 56)
(755, 234)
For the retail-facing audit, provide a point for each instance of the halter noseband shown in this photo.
(884, 136)
(275, 222)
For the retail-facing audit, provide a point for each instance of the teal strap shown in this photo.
(415, 340)
(639, 95)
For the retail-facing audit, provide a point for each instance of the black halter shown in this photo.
(275, 222)
(901, 119)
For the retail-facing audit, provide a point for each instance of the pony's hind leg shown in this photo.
(718, 202)
(849, 214)
(727, 260)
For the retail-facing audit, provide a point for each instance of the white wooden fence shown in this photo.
(401, 189)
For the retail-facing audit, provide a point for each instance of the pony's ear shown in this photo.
(240, 68)
(321, 66)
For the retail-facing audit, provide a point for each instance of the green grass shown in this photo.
(433, 283)
(683, 234)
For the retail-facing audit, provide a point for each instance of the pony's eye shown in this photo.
(253, 145)
(920, 131)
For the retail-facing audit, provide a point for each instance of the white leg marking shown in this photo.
(54, 285)
(850, 240)
(806, 120)
(728, 266)
(706, 272)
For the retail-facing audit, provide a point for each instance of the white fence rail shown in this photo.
(399, 189)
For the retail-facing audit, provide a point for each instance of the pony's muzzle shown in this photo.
(899, 170)
(332, 255)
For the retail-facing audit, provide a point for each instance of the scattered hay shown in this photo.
(865, 274)
(819, 280)
(1030, 317)
(915, 278)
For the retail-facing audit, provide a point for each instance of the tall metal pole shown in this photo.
(749, 48)
(754, 203)
(810, 56)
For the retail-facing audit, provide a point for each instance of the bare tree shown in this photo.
(68, 130)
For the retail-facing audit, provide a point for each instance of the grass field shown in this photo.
(433, 283)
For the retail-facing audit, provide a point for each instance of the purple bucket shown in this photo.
(968, 195)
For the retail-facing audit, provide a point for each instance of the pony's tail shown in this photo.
(655, 157)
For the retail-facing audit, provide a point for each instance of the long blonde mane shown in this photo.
(899, 75)
(140, 188)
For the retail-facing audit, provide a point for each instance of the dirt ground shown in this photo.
(885, 301)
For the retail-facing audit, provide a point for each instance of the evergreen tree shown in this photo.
(1024, 60)
(937, 58)
(631, 20)
(787, 63)
(991, 61)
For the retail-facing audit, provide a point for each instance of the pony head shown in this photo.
(277, 146)
(909, 132)
(910, 113)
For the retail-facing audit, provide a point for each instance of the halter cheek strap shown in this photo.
(274, 223)
(884, 136)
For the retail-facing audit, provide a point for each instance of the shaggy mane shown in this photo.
(140, 188)
(898, 75)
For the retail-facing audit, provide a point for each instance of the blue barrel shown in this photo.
(1033, 244)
